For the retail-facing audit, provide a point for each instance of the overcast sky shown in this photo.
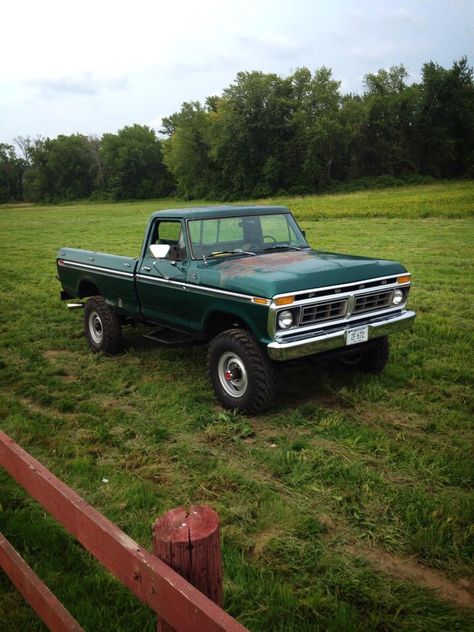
(97, 65)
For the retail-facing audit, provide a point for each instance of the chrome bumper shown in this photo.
(326, 341)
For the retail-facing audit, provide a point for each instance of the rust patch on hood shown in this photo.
(261, 264)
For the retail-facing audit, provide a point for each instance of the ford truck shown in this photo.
(245, 279)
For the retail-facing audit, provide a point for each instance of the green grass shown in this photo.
(341, 467)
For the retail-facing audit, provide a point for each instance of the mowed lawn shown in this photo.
(348, 506)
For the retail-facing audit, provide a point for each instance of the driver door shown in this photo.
(161, 281)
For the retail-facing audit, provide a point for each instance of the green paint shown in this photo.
(228, 254)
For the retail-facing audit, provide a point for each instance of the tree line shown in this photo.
(265, 134)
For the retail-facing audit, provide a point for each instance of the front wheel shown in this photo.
(240, 372)
(102, 327)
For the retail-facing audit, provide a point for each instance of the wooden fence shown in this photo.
(168, 594)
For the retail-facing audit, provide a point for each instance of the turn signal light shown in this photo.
(260, 301)
(404, 279)
(285, 300)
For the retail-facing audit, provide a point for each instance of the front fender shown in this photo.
(223, 309)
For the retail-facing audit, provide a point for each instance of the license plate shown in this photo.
(356, 335)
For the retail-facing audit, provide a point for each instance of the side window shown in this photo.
(170, 233)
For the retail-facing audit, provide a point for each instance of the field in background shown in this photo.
(349, 505)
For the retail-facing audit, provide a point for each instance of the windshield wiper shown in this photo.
(236, 251)
(280, 246)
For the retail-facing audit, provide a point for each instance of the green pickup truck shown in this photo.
(245, 279)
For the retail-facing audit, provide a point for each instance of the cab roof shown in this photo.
(208, 212)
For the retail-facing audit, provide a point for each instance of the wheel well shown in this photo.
(87, 288)
(218, 322)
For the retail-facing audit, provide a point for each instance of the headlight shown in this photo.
(285, 319)
(398, 297)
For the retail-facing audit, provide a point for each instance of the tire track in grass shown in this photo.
(458, 592)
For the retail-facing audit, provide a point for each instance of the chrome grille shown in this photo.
(323, 311)
(372, 302)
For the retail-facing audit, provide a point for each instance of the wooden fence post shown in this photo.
(188, 540)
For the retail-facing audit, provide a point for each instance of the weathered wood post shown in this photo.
(188, 540)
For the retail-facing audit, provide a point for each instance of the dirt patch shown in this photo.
(263, 539)
(62, 359)
(327, 522)
(392, 422)
(34, 407)
(117, 404)
(70, 378)
(56, 354)
(460, 592)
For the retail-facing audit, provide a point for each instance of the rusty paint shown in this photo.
(263, 264)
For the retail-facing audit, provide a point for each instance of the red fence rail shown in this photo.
(170, 596)
(41, 599)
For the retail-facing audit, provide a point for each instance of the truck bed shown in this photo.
(80, 271)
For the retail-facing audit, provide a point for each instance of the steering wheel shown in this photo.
(269, 237)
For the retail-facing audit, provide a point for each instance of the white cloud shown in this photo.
(399, 14)
(280, 43)
(273, 44)
(84, 84)
(375, 51)
(391, 52)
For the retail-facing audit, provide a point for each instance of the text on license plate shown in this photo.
(356, 335)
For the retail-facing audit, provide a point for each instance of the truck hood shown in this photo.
(284, 272)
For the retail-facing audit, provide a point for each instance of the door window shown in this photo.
(170, 233)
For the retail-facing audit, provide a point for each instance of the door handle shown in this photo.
(146, 269)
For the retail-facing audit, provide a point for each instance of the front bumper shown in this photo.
(312, 343)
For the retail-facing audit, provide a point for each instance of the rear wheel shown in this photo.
(240, 372)
(102, 327)
(370, 358)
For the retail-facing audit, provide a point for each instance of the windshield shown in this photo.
(253, 234)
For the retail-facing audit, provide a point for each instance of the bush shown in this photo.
(262, 190)
(300, 189)
(101, 196)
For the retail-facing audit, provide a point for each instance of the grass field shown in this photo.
(349, 505)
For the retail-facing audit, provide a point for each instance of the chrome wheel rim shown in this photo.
(95, 328)
(232, 374)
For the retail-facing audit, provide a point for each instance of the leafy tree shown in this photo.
(387, 132)
(386, 82)
(353, 119)
(133, 163)
(317, 125)
(186, 151)
(26, 145)
(445, 122)
(61, 169)
(11, 174)
(264, 134)
(250, 133)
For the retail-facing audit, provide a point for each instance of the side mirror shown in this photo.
(159, 251)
